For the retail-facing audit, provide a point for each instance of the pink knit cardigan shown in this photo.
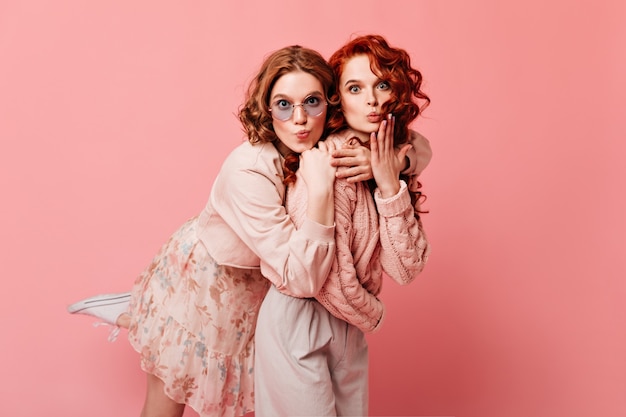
(372, 235)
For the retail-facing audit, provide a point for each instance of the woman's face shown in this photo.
(298, 110)
(362, 96)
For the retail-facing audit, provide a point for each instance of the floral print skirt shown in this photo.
(193, 324)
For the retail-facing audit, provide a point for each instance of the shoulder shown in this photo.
(259, 157)
(253, 152)
(248, 171)
(342, 137)
(418, 139)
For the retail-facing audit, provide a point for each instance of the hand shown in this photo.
(357, 158)
(386, 162)
(315, 167)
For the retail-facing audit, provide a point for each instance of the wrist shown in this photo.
(389, 190)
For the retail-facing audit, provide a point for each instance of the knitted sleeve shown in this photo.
(405, 247)
(343, 293)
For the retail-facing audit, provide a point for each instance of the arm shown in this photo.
(318, 174)
(357, 159)
(248, 195)
(405, 247)
(418, 156)
(343, 294)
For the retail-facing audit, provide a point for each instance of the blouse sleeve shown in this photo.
(343, 295)
(250, 201)
(405, 247)
(419, 155)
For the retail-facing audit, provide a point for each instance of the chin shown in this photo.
(307, 147)
(302, 147)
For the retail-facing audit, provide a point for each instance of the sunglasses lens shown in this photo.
(315, 108)
(283, 110)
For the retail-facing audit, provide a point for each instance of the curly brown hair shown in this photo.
(255, 115)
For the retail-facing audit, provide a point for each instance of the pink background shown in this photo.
(115, 117)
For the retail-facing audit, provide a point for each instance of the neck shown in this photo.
(362, 136)
(282, 149)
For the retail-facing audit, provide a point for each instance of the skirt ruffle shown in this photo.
(193, 322)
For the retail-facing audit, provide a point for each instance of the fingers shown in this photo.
(356, 171)
(345, 152)
(327, 147)
(390, 128)
(355, 178)
(386, 127)
(350, 157)
(331, 146)
(344, 162)
(374, 143)
(382, 143)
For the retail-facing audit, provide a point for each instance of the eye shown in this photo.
(282, 104)
(383, 85)
(354, 89)
(312, 101)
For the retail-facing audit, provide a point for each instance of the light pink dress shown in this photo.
(194, 309)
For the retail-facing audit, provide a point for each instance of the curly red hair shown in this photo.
(394, 66)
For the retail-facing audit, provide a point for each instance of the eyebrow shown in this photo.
(285, 96)
(352, 81)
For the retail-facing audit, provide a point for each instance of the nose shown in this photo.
(299, 114)
(371, 98)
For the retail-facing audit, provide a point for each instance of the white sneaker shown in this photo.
(106, 307)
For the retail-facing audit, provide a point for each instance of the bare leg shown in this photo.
(157, 403)
(123, 320)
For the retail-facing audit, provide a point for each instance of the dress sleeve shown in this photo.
(296, 261)
(419, 155)
(343, 295)
(405, 247)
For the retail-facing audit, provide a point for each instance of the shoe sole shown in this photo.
(100, 301)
